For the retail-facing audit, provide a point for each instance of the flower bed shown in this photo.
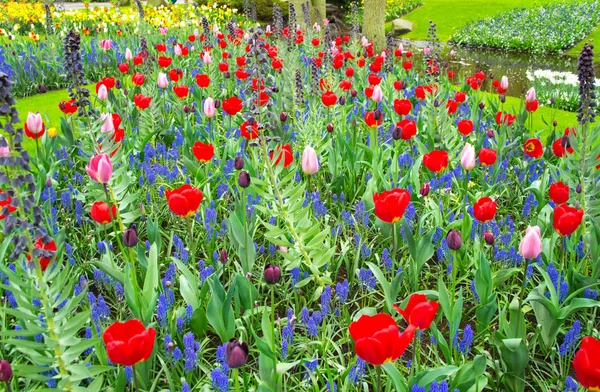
(545, 29)
(238, 209)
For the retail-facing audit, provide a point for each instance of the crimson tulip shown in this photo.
(203, 152)
(284, 152)
(377, 339)
(567, 219)
(164, 62)
(487, 156)
(181, 91)
(402, 106)
(534, 148)
(141, 101)
(586, 364)
(505, 118)
(49, 247)
(232, 106)
(559, 192)
(328, 98)
(484, 209)
(373, 118)
(138, 79)
(102, 213)
(436, 161)
(6, 203)
(249, 131)
(68, 107)
(408, 129)
(419, 312)
(465, 127)
(202, 80)
(558, 148)
(390, 205)
(128, 343)
(184, 201)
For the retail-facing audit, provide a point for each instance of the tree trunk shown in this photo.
(318, 11)
(156, 3)
(374, 22)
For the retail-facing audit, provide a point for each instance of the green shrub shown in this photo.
(264, 8)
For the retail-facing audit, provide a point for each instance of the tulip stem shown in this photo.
(378, 378)
(7, 383)
(237, 379)
(134, 376)
(395, 238)
(193, 243)
(273, 314)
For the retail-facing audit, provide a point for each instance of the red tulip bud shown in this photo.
(425, 189)
(488, 237)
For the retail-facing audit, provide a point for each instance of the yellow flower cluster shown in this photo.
(24, 18)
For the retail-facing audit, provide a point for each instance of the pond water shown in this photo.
(518, 67)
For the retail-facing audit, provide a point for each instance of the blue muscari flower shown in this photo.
(418, 388)
(312, 327)
(365, 251)
(437, 235)
(304, 315)
(220, 381)
(560, 284)
(119, 291)
(474, 291)
(347, 219)
(128, 374)
(180, 324)
(441, 387)
(570, 385)
(162, 309)
(78, 211)
(101, 247)
(220, 354)
(570, 340)
(580, 249)
(205, 272)
(341, 291)
(528, 272)
(311, 366)
(189, 312)
(66, 201)
(326, 300)
(366, 280)
(222, 188)
(386, 259)
(176, 355)
(185, 387)
(589, 293)
(295, 273)
(285, 347)
(361, 215)
(36, 302)
(331, 387)
(357, 372)
(464, 347)
(189, 350)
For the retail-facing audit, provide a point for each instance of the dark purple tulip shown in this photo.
(481, 105)
(490, 133)
(578, 189)
(244, 179)
(488, 237)
(283, 117)
(238, 163)
(425, 189)
(353, 93)
(217, 103)
(5, 370)
(236, 353)
(223, 256)
(454, 240)
(330, 127)
(130, 238)
(397, 133)
(342, 100)
(272, 273)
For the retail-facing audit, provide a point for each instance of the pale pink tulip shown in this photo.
(108, 125)
(310, 162)
(467, 157)
(504, 83)
(531, 244)
(206, 57)
(4, 152)
(128, 54)
(162, 80)
(377, 94)
(177, 50)
(209, 107)
(34, 123)
(530, 96)
(102, 93)
(106, 44)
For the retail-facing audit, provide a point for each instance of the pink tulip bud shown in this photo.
(467, 157)
(163, 30)
(34, 123)
(452, 53)
(128, 54)
(530, 96)
(102, 93)
(4, 152)
(106, 44)
(377, 94)
(196, 32)
(206, 58)
(268, 30)
(209, 107)
(401, 47)
(310, 162)
(177, 50)
(531, 244)
(162, 80)
(100, 168)
(504, 83)
(317, 27)
(427, 51)
(108, 125)
(364, 42)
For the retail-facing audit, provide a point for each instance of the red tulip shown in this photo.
(559, 149)
(329, 98)
(484, 209)
(123, 67)
(419, 312)
(465, 127)
(241, 74)
(203, 152)
(533, 148)
(532, 106)
(559, 192)
(50, 246)
(202, 80)
(6, 203)
(390, 205)
(68, 107)
(373, 79)
(460, 96)
(160, 48)
(232, 106)
(184, 201)
(345, 85)
(586, 364)
(138, 79)
(252, 134)
(505, 118)
(567, 219)
(141, 101)
(402, 106)
(175, 74)
(436, 161)
(487, 157)
(373, 118)
(284, 152)
(451, 106)
(377, 339)
(107, 82)
(128, 343)
(164, 62)
(408, 129)
(101, 213)
(181, 91)
(407, 65)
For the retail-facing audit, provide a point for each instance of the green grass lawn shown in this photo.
(452, 14)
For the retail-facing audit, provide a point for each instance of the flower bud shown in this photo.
(186, 109)
(397, 133)
(377, 115)
(330, 127)
(481, 105)
(502, 98)
(48, 182)
(490, 133)
(342, 100)
(43, 89)
(454, 239)
(5, 371)
(554, 123)
(130, 238)
(236, 353)
(118, 84)
(310, 162)
(227, 75)
(578, 188)
(223, 256)
(353, 93)
(425, 189)
(283, 117)
(217, 103)
(244, 179)
(238, 163)
(272, 274)
(488, 236)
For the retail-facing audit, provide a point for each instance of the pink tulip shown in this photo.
(163, 30)
(209, 107)
(108, 125)
(4, 152)
(106, 44)
(531, 244)
(100, 168)
(177, 50)
(268, 29)
(426, 51)
(196, 33)
(102, 93)
(504, 83)
(452, 53)
(317, 27)
(128, 54)
(34, 123)
(401, 47)
(530, 96)
(206, 58)
(377, 94)
(162, 80)
(467, 157)
(310, 162)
